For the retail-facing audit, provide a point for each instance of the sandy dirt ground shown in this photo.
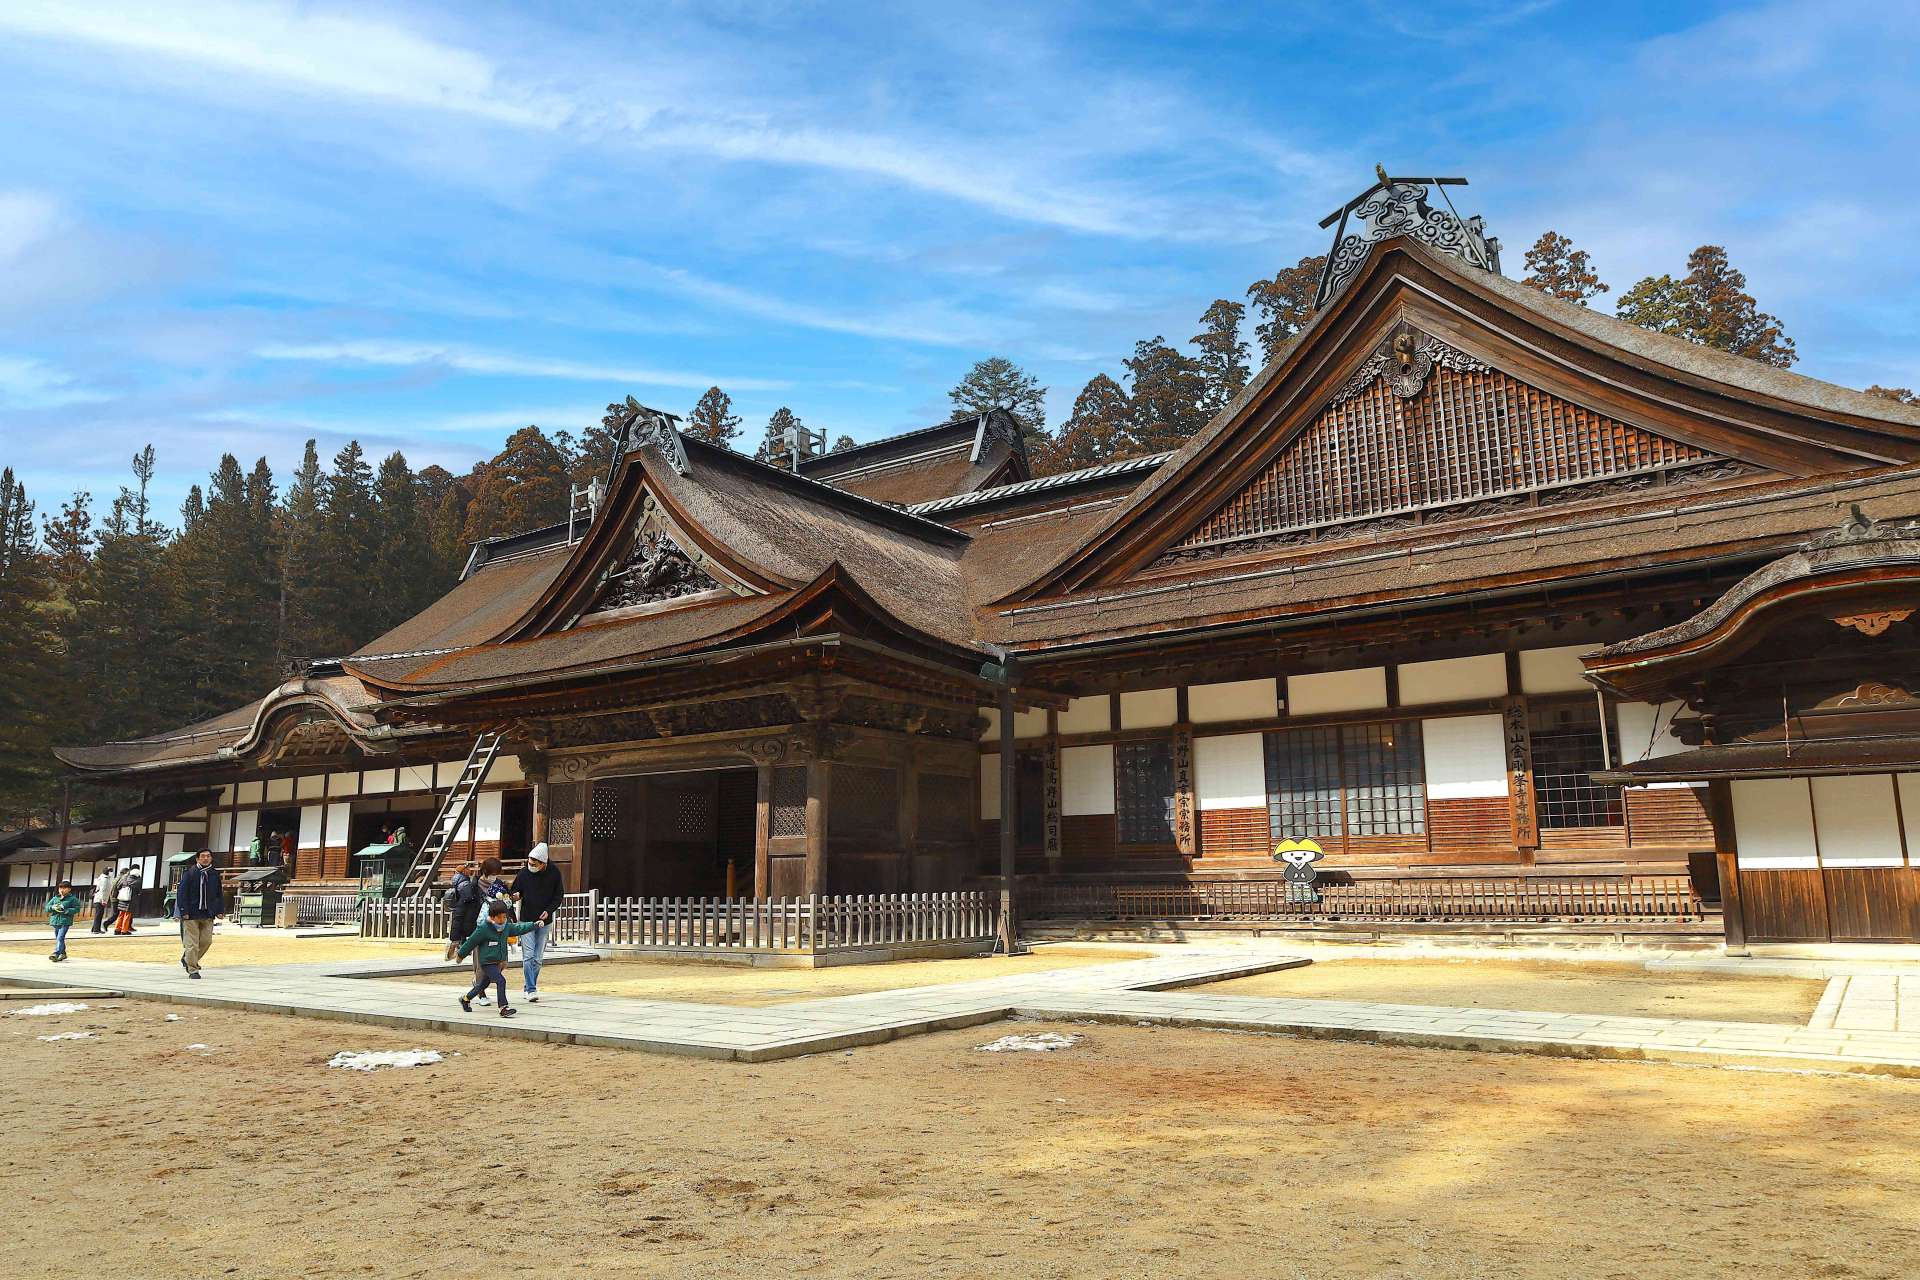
(162, 946)
(1543, 985)
(1138, 1152)
(650, 979)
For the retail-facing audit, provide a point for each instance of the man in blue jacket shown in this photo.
(200, 902)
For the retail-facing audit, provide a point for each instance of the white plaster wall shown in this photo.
(506, 769)
(220, 834)
(338, 816)
(17, 875)
(1773, 824)
(415, 777)
(245, 825)
(1149, 708)
(1554, 670)
(1466, 757)
(250, 793)
(1030, 724)
(1086, 780)
(279, 789)
(310, 826)
(1646, 733)
(310, 787)
(1330, 691)
(1230, 772)
(172, 844)
(990, 787)
(1481, 676)
(343, 784)
(486, 816)
(1858, 825)
(446, 773)
(226, 796)
(376, 782)
(1908, 784)
(1088, 715)
(1234, 700)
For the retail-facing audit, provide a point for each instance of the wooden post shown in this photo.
(819, 796)
(1733, 911)
(763, 833)
(1009, 941)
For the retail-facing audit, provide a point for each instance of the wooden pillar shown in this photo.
(763, 833)
(907, 825)
(1726, 858)
(819, 795)
(1009, 942)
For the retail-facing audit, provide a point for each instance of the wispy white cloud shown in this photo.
(930, 324)
(26, 383)
(403, 354)
(27, 219)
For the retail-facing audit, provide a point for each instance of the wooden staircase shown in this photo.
(453, 814)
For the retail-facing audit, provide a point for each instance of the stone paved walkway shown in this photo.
(1136, 991)
(1870, 1002)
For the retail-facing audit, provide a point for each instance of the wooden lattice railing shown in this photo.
(1510, 898)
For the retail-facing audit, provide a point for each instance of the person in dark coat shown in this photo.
(539, 890)
(488, 946)
(464, 900)
(200, 901)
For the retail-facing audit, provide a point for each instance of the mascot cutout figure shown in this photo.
(1297, 858)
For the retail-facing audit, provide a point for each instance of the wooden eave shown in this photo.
(1403, 282)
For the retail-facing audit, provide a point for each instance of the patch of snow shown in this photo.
(174, 1017)
(370, 1060)
(67, 1035)
(196, 1046)
(48, 1010)
(1039, 1042)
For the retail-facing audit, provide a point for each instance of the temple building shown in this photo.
(1469, 582)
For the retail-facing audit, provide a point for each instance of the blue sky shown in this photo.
(232, 226)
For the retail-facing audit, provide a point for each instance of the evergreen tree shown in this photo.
(345, 582)
(1285, 303)
(447, 526)
(1709, 306)
(69, 539)
(598, 446)
(524, 487)
(28, 664)
(999, 383)
(1555, 267)
(405, 567)
(713, 419)
(300, 561)
(192, 508)
(221, 568)
(1223, 357)
(1167, 398)
(1098, 430)
(843, 442)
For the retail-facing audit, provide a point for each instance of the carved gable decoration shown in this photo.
(655, 569)
(1422, 433)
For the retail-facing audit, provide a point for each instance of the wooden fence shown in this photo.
(813, 925)
(1514, 898)
(325, 908)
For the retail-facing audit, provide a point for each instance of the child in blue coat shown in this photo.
(490, 941)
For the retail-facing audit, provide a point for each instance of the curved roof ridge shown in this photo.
(1038, 484)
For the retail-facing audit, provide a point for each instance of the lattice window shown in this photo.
(1567, 747)
(1469, 436)
(1143, 792)
(789, 803)
(563, 801)
(1030, 799)
(604, 813)
(681, 813)
(1303, 784)
(946, 807)
(866, 801)
(1332, 783)
(1385, 779)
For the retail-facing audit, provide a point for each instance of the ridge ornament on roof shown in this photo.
(1398, 207)
(646, 426)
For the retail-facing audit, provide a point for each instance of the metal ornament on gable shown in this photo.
(1398, 207)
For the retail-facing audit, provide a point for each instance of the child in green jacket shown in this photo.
(490, 939)
(62, 907)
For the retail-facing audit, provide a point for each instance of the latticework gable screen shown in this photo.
(1467, 436)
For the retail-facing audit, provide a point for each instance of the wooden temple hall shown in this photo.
(1470, 584)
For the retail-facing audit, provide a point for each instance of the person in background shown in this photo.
(464, 900)
(539, 891)
(201, 903)
(62, 907)
(125, 891)
(256, 850)
(492, 884)
(286, 848)
(102, 898)
(488, 945)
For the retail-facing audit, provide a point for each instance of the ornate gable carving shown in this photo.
(1423, 433)
(658, 567)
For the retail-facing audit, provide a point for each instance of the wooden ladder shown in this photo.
(453, 814)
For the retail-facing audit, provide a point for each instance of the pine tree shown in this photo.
(405, 567)
(525, 487)
(28, 664)
(1098, 430)
(773, 447)
(345, 582)
(1709, 306)
(300, 559)
(69, 539)
(999, 383)
(713, 419)
(1556, 268)
(192, 508)
(1167, 397)
(1223, 357)
(844, 442)
(222, 569)
(447, 525)
(598, 447)
(1285, 303)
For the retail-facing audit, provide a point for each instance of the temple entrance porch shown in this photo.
(688, 833)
